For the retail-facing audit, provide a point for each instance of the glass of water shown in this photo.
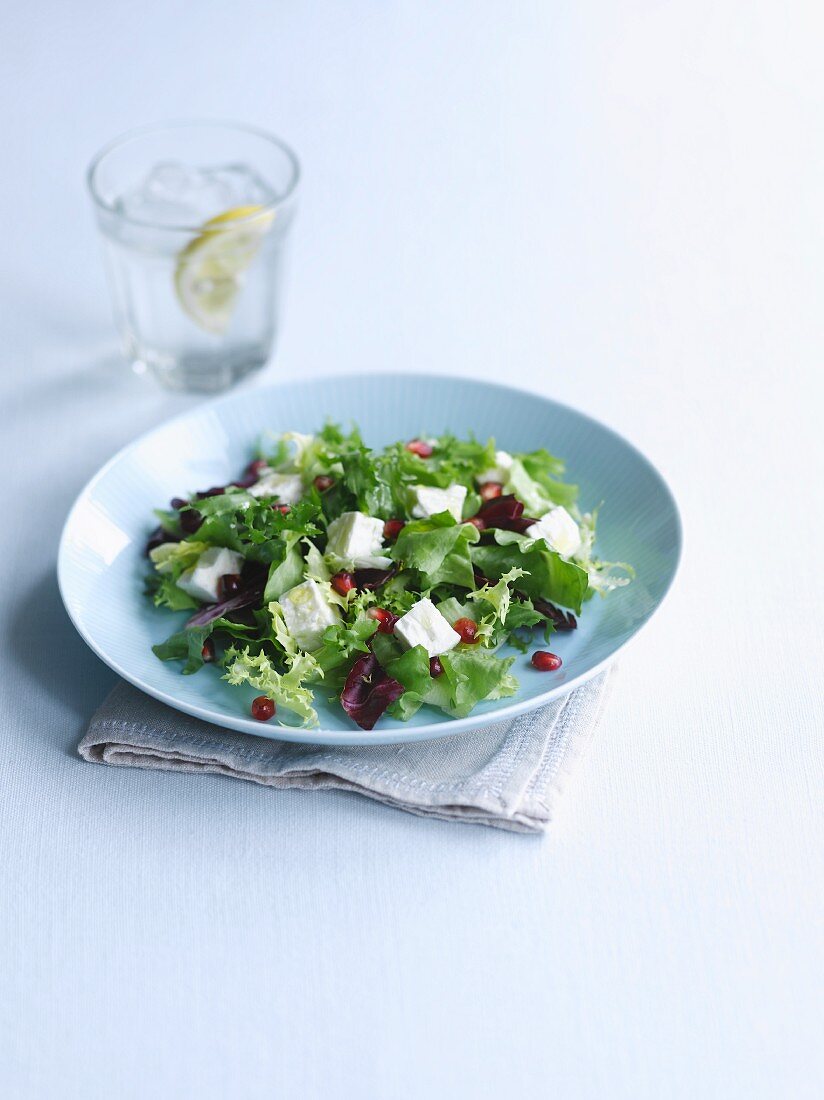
(195, 218)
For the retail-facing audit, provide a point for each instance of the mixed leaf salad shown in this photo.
(387, 579)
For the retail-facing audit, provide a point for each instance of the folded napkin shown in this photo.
(509, 775)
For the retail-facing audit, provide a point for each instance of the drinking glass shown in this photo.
(195, 218)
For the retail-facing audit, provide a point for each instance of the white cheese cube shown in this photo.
(425, 625)
(357, 538)
(201, 580)
(307, 613)
(429, 500)
(288, 488)
(560, 531)
(498, 472)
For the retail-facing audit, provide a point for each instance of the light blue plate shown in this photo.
(101, 566)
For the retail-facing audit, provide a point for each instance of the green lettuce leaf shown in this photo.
(453, 609)
(252, 527)
(410, 668)
(545, 470)
(166, 593)
(187, 645)
(170, 559)
(472, 674)
(460, 460)
(343, 641)
(438, 548)
(546, 574)
(174, 558)
(526, 489)
(169, 520)
(287, 571)
(521, 616)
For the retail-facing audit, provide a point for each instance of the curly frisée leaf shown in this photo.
(498, 595)
(286, 689)
(602, 578)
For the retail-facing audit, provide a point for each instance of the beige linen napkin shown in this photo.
(509, 775)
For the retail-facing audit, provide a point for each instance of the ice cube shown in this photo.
(243, 186)
(180, 194)
(171, 182)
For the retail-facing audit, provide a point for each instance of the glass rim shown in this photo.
(180, 124)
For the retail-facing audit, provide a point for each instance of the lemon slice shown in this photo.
(210, 269)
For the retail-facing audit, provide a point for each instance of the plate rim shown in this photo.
(409, 732)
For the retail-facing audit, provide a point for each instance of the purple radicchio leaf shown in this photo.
(561, 620)
(252, 474)
(157, 538)
(505, 512)
(190, 518)
(373, 578)
(253, 582)
(190, 521)
(368, 691)
(246, 482)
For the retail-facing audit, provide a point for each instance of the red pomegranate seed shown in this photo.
(324, 482)
(420, 448)
(257, 467)
(392, 528)
(263, 708)
(435, 666)
(385, 619)
(208, 652)
(476, 521)
(545, 661)
(467, 629)
(228, 585)
(343, 583)
(490, 489)
(284, 509)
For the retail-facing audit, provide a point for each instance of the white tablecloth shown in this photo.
(620, 206)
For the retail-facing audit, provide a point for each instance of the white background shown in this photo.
(619, 205)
